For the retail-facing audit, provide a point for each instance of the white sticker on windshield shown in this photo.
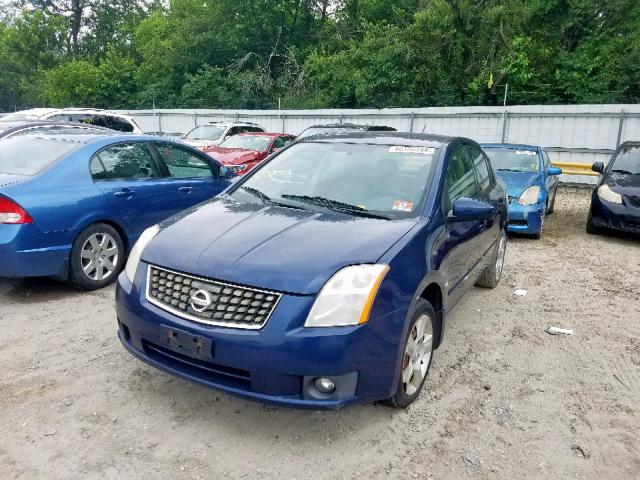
(530, 153)
(420, 150)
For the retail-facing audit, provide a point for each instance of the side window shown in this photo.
(128, 160)
(233, 131)
(119, 124)
(59, 117)
(460, 179)
(482, 169)
(278, 143)
(97, 169)
(182, 163)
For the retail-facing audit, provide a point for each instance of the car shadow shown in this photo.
(34, 290)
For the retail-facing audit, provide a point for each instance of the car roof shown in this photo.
(509, 145)
(352, 125)
(380, 138)
(264, 134)
(12, 126)
(250, 124)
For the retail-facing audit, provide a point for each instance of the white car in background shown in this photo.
(214, 133)
(90, 116)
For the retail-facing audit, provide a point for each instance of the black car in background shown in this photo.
(615, 202)
(332, 128)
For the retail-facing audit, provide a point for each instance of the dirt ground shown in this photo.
(504, 399)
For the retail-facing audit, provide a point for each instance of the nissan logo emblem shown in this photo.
(200, 300)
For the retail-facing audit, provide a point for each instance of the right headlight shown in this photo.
(347, 297)
(530, 195)
(608, 195)
(136, 251)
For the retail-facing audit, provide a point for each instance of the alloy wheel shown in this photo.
(417, 355)
(99, 256)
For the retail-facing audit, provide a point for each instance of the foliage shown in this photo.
(317, 53)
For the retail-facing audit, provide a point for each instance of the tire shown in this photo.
(417, 367)
(592, 229)
(552, 204)
(97, 256)
(490, 278)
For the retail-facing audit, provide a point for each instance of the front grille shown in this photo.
(215, 303)
(633, 201)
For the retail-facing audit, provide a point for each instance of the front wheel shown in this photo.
(97, 257)
(416, 356)
(490, 278)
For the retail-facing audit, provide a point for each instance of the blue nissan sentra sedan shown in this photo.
(532, 184)
(322, 278)
(74, 200)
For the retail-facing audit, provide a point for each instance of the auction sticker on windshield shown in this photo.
(402, 205)
(420, 150)
(530, 153)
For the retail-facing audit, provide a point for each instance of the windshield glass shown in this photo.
(386, 179)
(627, 160)
(249, 142)
(205, 132)
(514, 160)
(22, 155)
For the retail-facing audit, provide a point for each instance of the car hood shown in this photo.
(200, 143)
(9, 179)
(517, 181)
(270, 247)
(623, 184)
(234, 156)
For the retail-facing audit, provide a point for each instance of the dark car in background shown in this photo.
(324, 276)
(242, 152)
(335, 128)
(73, 201)
(615, 201)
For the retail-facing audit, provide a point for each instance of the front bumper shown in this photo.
(614, 216)
(525, 219)
(275, 364)
(27, 252)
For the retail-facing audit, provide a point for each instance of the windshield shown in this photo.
(513, 160)
(353, 178)
(627, 160)
(249, 142)
(22, 155)
(205, 132)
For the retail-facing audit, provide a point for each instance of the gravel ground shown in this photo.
(504, 399)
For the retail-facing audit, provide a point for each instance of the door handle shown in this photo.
(185, 189)
(123, 193)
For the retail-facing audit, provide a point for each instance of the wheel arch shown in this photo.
(433, 294)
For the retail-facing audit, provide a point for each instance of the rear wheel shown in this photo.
(416, 357)
(97, 257)
(490, 278)
(552, 204)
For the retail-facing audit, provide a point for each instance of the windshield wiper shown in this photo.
(267, 200)
(509, 170)
(624, 172)
(335, 205)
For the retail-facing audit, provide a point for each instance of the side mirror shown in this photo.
(274, 149)
(226, 172)
(554, 171)
(598, 167)
(465, 209)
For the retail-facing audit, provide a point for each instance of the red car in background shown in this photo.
(242, 152)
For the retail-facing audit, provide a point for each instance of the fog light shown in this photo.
(324, 385)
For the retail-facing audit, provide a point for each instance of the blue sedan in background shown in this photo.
(324, 276)
(532, 184)
(73, 201)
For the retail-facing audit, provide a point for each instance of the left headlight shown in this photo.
(347, 297)
(608, 195)
(136, 251)
(529, 196)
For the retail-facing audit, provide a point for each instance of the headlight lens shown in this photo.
(347, 297)
(529, 196)
(136, 251)
(608, 195)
